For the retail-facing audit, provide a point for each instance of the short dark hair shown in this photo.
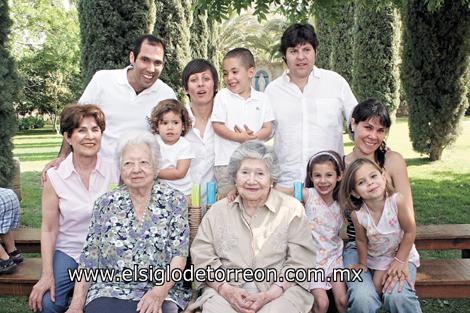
(298, 34)
(198, 66)
(165, 106)
(245, 56)
(148, 38)
(73, 114)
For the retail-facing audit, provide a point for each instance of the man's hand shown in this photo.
(55, 164)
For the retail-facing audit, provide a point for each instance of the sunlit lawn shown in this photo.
(441, 191)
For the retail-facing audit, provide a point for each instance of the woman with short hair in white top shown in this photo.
(67, 203)
(200, 81)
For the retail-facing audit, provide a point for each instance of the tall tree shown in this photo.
(199, 30)
(434, 71)
(325, 29)
(48, 55)
(8, 90)
(342, 60)
(108, 29)
(172, 24)
(376, 54)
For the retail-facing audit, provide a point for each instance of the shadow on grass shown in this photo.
(35, 156)
(442, 201)
(37, 145)
(39, 131)
(418, 161)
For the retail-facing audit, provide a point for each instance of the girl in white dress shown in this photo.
(384, 223)
(324, 172)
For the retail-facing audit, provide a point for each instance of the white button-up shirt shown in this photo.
(202, 166)
(310, 121)
(232, 109)
(123, 108)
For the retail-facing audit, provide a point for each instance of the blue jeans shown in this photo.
(63, 285)
(362, 296)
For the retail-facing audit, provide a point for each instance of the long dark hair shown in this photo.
(320, 158)
(366, 110)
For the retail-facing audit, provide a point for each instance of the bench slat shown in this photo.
(443, 278)
(22, 281)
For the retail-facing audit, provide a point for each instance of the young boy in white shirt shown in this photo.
(240, 113)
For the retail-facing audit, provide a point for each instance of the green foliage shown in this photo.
(342, 57)
(244, 30)
(199, 30)
(325, 29)
(434, 72)
(172, 24)
(30, 122)
(294, 10)
(8, 89)
(376, 53)
(108, 29)
(48, 55)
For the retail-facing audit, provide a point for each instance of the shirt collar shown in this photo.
(315, 73)
(254, 95)
(272, 203)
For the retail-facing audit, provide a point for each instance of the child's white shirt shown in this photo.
(232, 109)
(170, 154)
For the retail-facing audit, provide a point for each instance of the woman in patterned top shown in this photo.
(140, 227)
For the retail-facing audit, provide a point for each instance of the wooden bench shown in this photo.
(444, 237)
(435, 279)
(22, 281)
(28, 240)
(443, 279)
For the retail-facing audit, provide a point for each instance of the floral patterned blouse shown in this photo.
(117, 240)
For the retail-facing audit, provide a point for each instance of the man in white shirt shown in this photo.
(127, 95)
(309, 105)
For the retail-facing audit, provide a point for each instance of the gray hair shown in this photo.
(254, 149)
(136, 138)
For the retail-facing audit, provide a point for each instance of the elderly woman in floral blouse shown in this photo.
(141, 225)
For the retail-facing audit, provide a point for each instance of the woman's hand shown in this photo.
(258, 300)
(152, 301)
(397, 273)
(359, 266)
(237, 297)
(45, 283)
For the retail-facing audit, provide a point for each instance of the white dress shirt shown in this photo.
(310, 121)
(123, 108)
(232, 109)
(202, 166)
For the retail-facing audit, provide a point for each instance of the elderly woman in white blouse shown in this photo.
(262, 229)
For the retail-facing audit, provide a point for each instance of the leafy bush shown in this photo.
(30, 122)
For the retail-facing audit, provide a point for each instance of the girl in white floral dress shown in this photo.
(324, 172)
(385, 227)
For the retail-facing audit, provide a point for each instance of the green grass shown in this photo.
(440, 191)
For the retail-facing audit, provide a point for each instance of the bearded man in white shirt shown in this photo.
(309, 105)
(126, 96)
